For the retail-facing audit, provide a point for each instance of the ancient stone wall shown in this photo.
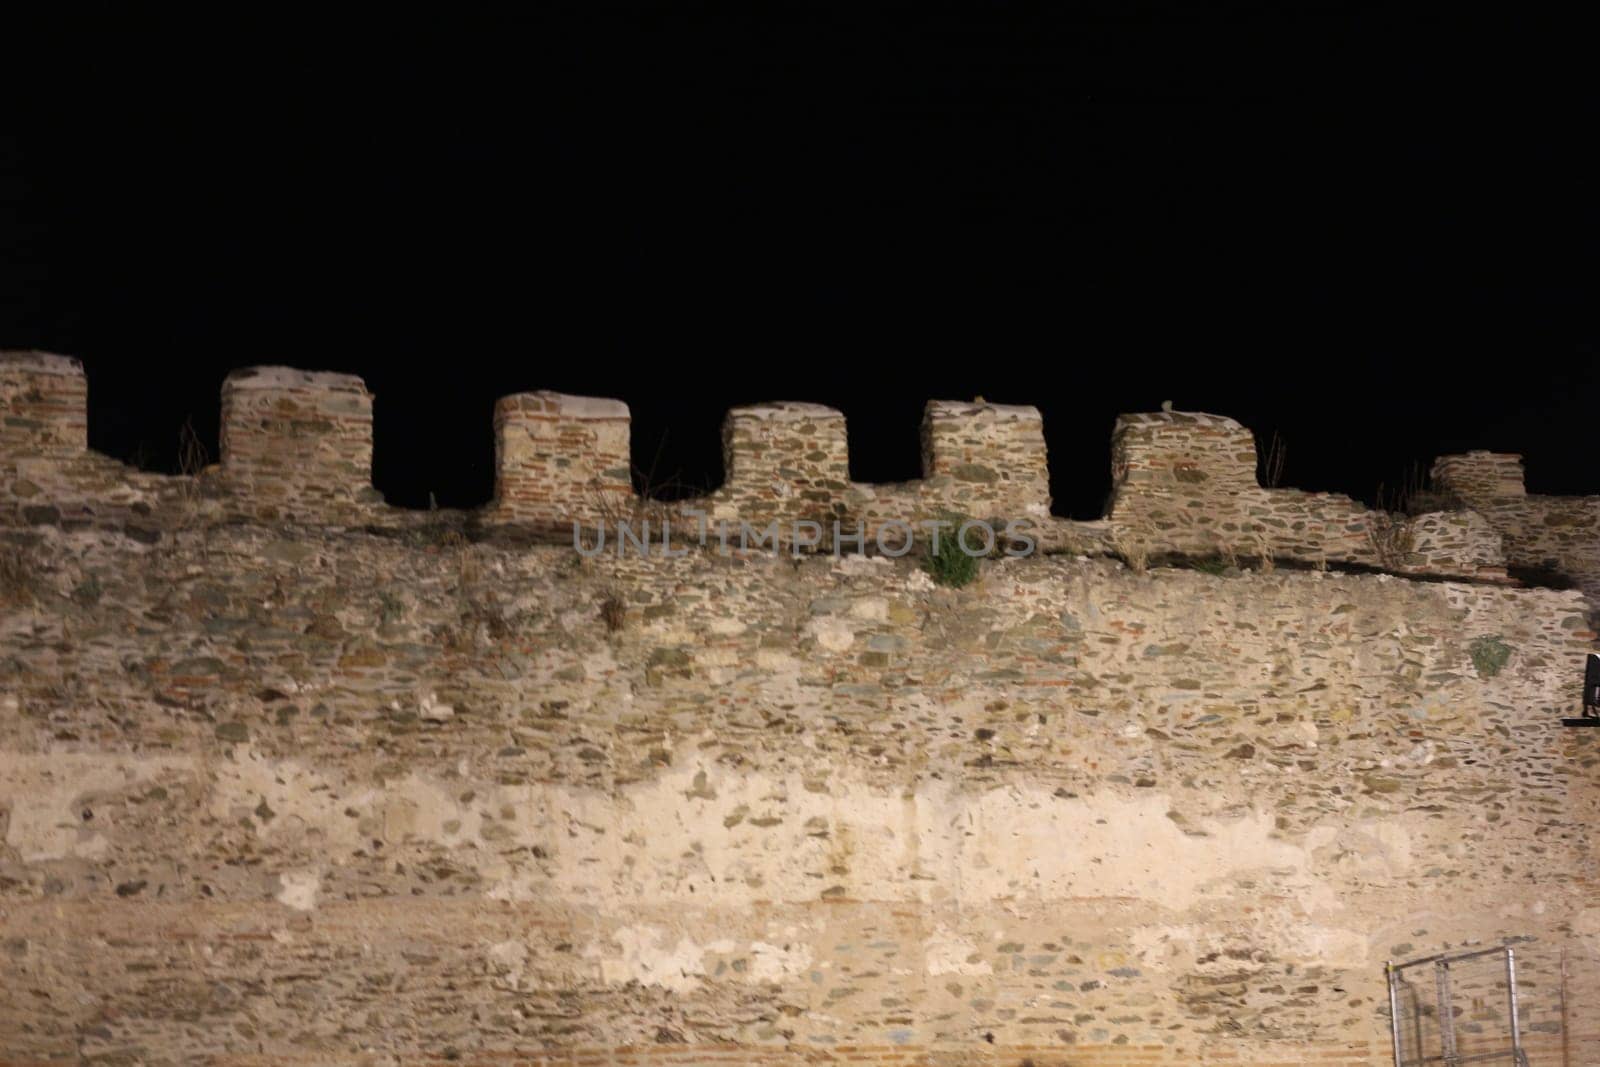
(289, 796)
(1546, 533)
(319, 781)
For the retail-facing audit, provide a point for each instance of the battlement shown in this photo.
(1480, 476)
(299, 440)
(1186, 482)
(991, 455)
(791, 462)
(1181, 451)
(297, 448)
(1549, 535)
(560, 459)
(44, 405)
(786, 461)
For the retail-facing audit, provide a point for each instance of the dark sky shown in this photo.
(1374, 233)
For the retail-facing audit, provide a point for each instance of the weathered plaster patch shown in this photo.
(704, 835)
(775, 963)
(834, 635)
(301, 799)
(946, 953)
(45, 795)
(509, 959)
(1371, 848)
(299, 889)
(871, 608)
(1587, 926)
(320, 808)
(646, 957)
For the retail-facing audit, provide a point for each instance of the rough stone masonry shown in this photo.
(288, 776)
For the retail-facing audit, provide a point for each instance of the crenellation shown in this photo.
(561, 459)
(1480, 477)
(783, 461)
(1185, 482)
(44, 399)
(985, 459)
(297, 447)
(48, 474)
(1164, 451)
(847, 717)
(299, 442)
(1553, 537)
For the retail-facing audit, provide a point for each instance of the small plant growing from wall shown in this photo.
(1228, 554)
(391, 609)
(947, 563)
(16, 577)
(193, 458)
(1264, 560)
(1409, 497)
(613, 611)
(1270, 465)
(1132, 550)
(1392, 539)
(1489, 655)
(88, 592)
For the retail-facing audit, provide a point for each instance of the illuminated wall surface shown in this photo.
(289, 776)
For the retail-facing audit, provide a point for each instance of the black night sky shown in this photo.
(1371, 232)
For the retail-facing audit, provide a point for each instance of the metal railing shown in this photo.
(1448, 1052)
